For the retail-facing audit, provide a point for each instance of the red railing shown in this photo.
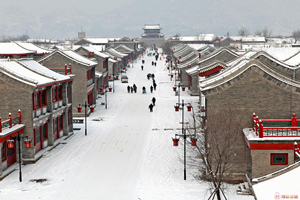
(10, 122)
(276, 127)
(65, 71)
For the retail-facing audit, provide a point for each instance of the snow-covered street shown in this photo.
(127, 154)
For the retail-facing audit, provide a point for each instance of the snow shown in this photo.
(13, 49)
(283, 185)
(127, 153)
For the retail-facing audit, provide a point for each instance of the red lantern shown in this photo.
(123, 68)
(101, 89)
(118, 68)
(183, 88)
(117, 77)
(92, 109)
(189, 108)
(178, 62)
(194, 141)
(10, 143)
(173, 68)
(168, 68)
(176, 108)
(171, 75)
(109, 77)
(199, 55)
(179, 57)
(174, 89)
(110, 89)
(175, 141)
(178, 75)
(189, 66)
(27, 143)
(79, 109)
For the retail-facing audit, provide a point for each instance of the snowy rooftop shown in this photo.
(152, 26)
(33, 47)
(283, 186)
(98, 53)
(14, 49)
(280, 53)
(35, 66)
(116, 53)
(23, 74)
(73, 56)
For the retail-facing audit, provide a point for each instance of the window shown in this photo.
(89, 74)
(57, 93)
(39, 99)
(60, 123)
(279, 158)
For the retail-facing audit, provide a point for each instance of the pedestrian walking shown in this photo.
(148, 76)
(131, 88)
(128, 88)
(134, 88)
(151, 107)
(155, 64)
(152, 63)
(152, 75)
(144, 89)
(142, 67)
(154, 85)
(143, 61)
(153, 101)
(151, 88)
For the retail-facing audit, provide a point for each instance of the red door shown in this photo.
(55, 132)
(37, 139)
(11, 154)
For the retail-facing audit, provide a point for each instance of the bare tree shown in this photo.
(217, 136)
(243, 31)
(265, 32)
(296, 35)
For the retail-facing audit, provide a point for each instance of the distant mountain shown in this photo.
(187, 18)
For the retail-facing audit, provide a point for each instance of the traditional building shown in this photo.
(246, 81)
(152, 31)
(101, 68)
(84, 84)
(40, 52)
(43, 96)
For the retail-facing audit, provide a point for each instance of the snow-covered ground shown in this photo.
(126, 155)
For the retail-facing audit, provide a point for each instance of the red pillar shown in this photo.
(19, 115)
(261, 129)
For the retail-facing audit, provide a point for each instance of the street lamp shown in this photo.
(27, 145)
(106, 89)
(85, 121)
(177, 92)
(184, 135)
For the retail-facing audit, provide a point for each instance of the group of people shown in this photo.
(131, 88)
(152, 104)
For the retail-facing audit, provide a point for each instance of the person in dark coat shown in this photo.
(152, 63)
(151, 88)
(142, 67)
(128, 88)
(151, 107)
(152, 75)
(148, 76)
(134, 88)
(155, 64)
(131, 89)
(154, 85)
(143, 61)
(153, 101)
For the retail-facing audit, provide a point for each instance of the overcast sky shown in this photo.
(117, 18)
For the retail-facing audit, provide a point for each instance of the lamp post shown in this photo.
(27, 145)
(178, 91)
(176, 139)
(105, 91)
(85, 121)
